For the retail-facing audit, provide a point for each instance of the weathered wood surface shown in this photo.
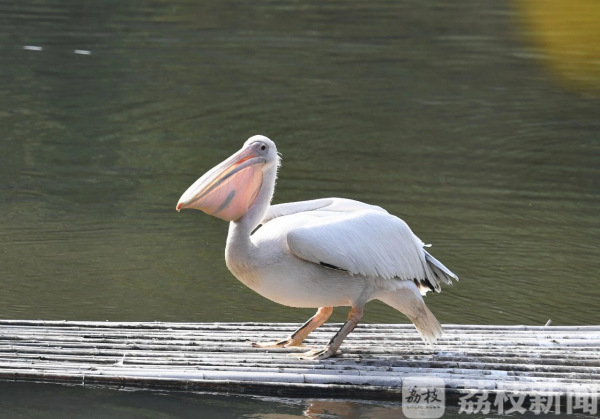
(217, 357)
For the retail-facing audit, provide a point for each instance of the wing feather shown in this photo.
(366, 242)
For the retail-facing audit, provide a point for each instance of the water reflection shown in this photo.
(347, 409)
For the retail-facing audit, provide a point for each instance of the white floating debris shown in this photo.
(82, 52)
(32, 48)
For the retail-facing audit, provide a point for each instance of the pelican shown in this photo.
(321, 253)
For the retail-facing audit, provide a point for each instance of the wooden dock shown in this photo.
(218, 357)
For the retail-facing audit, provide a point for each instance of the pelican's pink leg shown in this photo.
(332, 347)
(296, 338)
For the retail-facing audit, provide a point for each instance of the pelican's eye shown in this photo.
(260, 146)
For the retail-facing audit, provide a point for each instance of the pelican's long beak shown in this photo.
(229, 189)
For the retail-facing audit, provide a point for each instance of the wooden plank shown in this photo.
(376, 358)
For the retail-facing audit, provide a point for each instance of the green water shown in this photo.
(448, 115)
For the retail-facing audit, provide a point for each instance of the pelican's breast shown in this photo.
(277, 274)
(267, 248)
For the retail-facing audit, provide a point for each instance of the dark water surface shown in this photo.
(468, 120)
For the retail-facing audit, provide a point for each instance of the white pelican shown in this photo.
(322, 253)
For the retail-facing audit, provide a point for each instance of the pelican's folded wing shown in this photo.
(367, 242)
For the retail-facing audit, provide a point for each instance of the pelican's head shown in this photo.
(230, 188)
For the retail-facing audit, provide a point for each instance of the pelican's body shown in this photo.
(321, 253)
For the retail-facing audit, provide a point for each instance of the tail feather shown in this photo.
(407, 300)
(428, 326)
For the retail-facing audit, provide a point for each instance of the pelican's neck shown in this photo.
(239, 246)
(240, 230)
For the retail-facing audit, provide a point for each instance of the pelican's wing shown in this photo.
(367, 242)
(323, 204)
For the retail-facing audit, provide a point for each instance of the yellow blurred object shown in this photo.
(568, 34)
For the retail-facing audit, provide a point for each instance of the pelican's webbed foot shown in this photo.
(283, 343)
(317, 354)
(296, 338)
